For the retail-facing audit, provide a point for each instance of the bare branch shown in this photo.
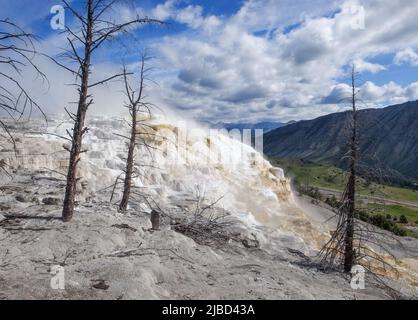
(107, 80)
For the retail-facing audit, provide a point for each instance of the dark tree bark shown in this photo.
(340, 248)
(79, 129)
(134, 105)
(155, 220)
(92, 33)
(349, 253)
(355, 242)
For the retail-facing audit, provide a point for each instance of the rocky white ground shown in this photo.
(267, 250)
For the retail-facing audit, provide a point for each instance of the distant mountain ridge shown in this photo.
(267, 126)
(388, 141)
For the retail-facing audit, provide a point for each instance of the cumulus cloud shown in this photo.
(339, 94)
(258, 15)
(371, 95)
(238, 68)
(412, 91)
(164, 11)
(407, 56)
(364, 66)
(279, 60)
(191, 15)
(390, 93)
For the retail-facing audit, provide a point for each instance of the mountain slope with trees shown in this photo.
(388, 139)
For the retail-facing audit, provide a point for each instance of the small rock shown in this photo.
(296, 252)
(21, 198)
(278, 173)
(51, 201)
(178, 186)
(248, 243)
(155, 220)
(100, 285)
(2, 218)
(124, 226)
(175, 222)
(4, 207)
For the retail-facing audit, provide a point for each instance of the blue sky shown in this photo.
(249, 60)
(403, 74)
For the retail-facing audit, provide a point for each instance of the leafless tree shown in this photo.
(349, 253)
(17, 52)
(135, 105)
(94, 28)
(355, 242)
(341, 244)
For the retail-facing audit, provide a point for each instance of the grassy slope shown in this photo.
(395, 211)
(329, 177)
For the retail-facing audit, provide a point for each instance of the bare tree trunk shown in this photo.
(155, 220)
(351, 242)
(349, 253)
(79, 129)
(92, 31)
(134, 108)
(129, 164)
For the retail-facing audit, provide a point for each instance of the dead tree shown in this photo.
(135, 105)
(341, 245)
(355, 242)
(17, 52)
(94, 29)
(349, 253)
(140, 111)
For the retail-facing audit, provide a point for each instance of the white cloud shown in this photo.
(407, 56)
(364, 66)
(370, 92)
(412, 91)
(371, 95)
(278, 60)
(390, 93)
(339, 93)
(164, 11)
(258, 15)
(191, 15)
(235, 70)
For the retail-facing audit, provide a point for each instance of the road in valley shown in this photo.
(371, 199)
